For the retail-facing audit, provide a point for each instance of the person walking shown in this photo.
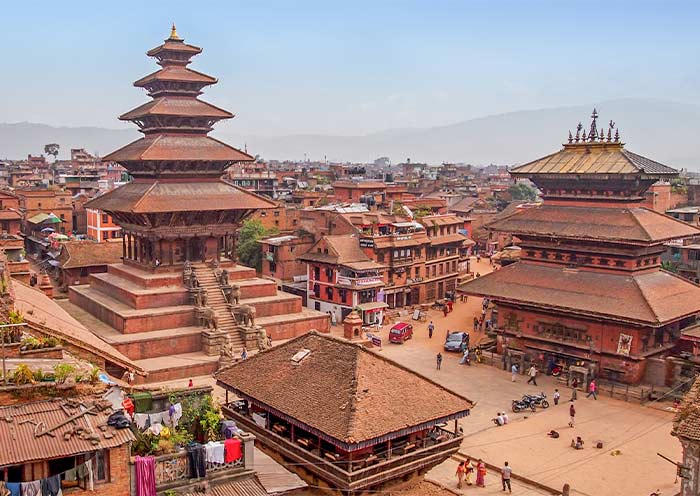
(533, 375)
(592, 390)
(505, 477)
(476, 324)
(513, 372)
(556, 397)
(439, 360)
(480, 473)
(468, 471)
(574, 386)
(431, 328)
(460, 474)
(572, 414)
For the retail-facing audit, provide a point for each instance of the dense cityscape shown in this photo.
(182, 316)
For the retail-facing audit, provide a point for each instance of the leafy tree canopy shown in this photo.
(52, 149)
(522, 191)
(248, 249)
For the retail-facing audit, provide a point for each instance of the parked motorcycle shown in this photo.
(537, 399)
(521, 405)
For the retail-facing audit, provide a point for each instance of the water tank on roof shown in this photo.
(389, 178)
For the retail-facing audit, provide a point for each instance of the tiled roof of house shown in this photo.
(45, 315)
(22, 424)
(636, 224)
(686, 423)
(653, 298)
(342, 390)
(343, 249)
(75, 254)
(163, 196)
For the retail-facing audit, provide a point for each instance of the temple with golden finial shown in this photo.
(178, 293)
(589, 288)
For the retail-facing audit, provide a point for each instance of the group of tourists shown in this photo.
(467, 468)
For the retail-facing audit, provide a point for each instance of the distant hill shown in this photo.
(662, 130)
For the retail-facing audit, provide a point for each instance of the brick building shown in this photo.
(340, 278)
(589, 287)
(78, 259)
(280, 256)
(100, 226)
(10, 217)
(47, 201)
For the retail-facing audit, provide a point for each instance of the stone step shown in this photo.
(164, 342)
(137, 296)
(146, 278)
(291, 325)
(181, 366)
(126, 319)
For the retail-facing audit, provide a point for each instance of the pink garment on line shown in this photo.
(145, 475)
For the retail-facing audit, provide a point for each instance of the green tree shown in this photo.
(248, 249)
(52, 149)
(522, 191)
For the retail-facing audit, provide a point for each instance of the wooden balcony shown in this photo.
(352, 475)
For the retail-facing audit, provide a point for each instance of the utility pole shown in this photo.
(2, 339)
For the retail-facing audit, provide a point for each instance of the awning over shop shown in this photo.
(43, 218)
(372, 306)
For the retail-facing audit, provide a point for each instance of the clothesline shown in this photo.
(75, 469)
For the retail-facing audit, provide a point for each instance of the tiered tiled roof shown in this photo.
(686, 423)
(653, 297)
(342, 391)
(636, 224)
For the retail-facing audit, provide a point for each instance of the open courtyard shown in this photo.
(637, 431)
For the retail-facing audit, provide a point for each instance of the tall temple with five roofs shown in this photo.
(589, 288)
(178, 295)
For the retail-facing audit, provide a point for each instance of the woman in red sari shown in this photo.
(480, 473)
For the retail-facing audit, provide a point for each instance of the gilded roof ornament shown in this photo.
(571, 138)
(173, 33)
(578, 132)
(594, 129)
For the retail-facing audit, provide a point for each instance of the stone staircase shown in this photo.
(148, 316)
(217, 301)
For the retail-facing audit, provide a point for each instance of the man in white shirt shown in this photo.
(505, 477)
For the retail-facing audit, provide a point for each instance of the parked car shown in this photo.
(453, 342)
(400, 332)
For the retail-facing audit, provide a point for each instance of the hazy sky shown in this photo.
(288, 67)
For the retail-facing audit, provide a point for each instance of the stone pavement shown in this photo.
(638, 432)
(444, 476)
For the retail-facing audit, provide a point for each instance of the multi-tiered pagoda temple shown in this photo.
(177, 207)
(589, 287)
(173, 318)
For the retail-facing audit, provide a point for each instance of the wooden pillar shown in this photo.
(171, 255)
(218, 248)
(291, 431)
(388, 449)
(188, 254)
(123, 247)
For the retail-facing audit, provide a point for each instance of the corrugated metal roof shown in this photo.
(247, 487)
(21, 442)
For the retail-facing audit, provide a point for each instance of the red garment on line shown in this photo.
(232, 450)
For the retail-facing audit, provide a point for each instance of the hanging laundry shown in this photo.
(155, 429)
(32, 488)
(85, 474)
(141, 420)
(14, 488)
(233, 450)
(175, 412)
(51, 486)
(197, 455)
(145, 475)
(71, 475)
(215, 452)
(4, 491)
(156, 418)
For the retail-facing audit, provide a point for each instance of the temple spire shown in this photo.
(594, 129)
(173, 34)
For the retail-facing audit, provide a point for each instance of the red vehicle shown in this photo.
(400, 333)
